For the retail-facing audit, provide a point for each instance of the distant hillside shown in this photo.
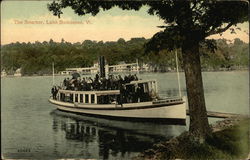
(36, 58)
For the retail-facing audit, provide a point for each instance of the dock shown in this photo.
(219, 114)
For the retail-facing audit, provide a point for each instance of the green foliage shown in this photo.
(230, 143)
(228, 55)
(37, 58)
(187, 22)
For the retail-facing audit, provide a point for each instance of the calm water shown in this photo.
(32, 128)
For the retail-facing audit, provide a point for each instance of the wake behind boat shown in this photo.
(127, 98)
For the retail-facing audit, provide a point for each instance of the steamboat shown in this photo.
(130, 99)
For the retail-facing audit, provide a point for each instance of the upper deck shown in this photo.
(133, 92)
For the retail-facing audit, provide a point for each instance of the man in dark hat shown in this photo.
(64, 82)
(67, 84)
(53, 91)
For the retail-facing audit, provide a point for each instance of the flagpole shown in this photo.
(53, 73)
(177, 70)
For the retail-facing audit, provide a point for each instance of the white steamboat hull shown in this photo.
(143, 110)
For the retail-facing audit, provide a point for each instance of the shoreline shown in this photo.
(143, 72)
(226, 142)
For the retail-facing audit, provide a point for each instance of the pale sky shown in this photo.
(107, 26)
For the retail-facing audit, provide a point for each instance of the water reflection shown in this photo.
(108, 139)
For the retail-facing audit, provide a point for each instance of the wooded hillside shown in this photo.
(36, 58)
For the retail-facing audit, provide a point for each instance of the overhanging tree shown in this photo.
(187, 24)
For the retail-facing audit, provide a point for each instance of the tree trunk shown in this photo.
(199, 126)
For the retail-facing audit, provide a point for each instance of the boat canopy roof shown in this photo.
(98, 93)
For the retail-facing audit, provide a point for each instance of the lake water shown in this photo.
(33, 128)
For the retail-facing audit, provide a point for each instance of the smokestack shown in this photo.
(102, 66)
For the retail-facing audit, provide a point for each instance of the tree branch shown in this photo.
(194, 5)
(219, 30)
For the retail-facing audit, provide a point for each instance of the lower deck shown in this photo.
(164, 109)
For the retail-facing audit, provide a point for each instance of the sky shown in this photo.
(30, 21)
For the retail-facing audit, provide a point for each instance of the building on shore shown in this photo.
(3, 73)
(85, 70)
(119, 68)
(18, 73)
(123, 67)
(145, 68)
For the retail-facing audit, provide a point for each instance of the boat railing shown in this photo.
(97, 92)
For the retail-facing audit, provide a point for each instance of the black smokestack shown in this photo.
(102, 66)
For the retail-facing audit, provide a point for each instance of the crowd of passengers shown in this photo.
(128, 93)
(89, 84)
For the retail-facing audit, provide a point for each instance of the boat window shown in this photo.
(71, 98)
(76, 97)
(103, 99)
(93, 131)
(86, 98)
(146, 88)
(99, 100)
(81, 98)
(82, 129)
(62, 97)
(87, 130)
(92, 98)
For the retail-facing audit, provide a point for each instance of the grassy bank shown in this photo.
(231, 142)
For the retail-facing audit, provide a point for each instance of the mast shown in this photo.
(177, 70)
(53, 73)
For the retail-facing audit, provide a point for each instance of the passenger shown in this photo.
(53, 91)
(72, 86)
(76, 84)
(96, 83)
(120, 82)
(96, 77)
(105, 80)
(67, 84)
(89, 84)
(109, 85)
(135, 78)
(129, 92)
(133, 94)
(79, 84)
(140, 93)
(126, 79)
(112, 83)
(84, 84)
(64, 82)
(131, 78)
(103, 85)
(122, 97)
(115, 83)
(56, 91)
